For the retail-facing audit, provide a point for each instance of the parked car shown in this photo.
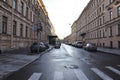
(57, 45)
(79, 44)
(37, 45)
(73, 44)
(90, 47)
(46, 45)
(69, 43)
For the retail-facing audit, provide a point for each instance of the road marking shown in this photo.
(35, 76)
(113, 69)
(85, 61)
(69, 51)
(80, 75)
(58, 75)
(101, 74)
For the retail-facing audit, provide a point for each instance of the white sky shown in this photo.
(63, 13)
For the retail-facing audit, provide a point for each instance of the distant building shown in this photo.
(19, 20)
(73, 32)
(67, 40)
(99, 23)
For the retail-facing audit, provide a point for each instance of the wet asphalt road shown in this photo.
(70, 63)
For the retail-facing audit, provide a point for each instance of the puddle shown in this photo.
(71, 67)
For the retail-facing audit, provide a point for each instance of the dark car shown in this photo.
(37, 46)
(79, 44)
(90, 47)
(46, 45)
(57, 45)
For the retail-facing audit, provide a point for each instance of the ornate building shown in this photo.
(19, 23)
(100, 23)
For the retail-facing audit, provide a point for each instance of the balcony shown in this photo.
(114, 3)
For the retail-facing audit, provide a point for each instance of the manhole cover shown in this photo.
(71, 66)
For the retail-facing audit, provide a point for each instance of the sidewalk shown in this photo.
(15, 60)
(109, 50)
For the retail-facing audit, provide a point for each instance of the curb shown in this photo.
(109, 53)
(10, 73)
(39, 55)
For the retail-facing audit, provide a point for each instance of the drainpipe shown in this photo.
(11, 45)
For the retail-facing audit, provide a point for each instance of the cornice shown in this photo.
(43, 7)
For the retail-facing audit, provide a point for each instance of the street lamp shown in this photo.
(39, 29)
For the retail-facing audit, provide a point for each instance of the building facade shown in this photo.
(67, 39)
(20, 21)
(73, 33)
(99, 23)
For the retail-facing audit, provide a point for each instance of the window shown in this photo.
(100, 44)
(34, 2)
(118, 29)
(4, 25)
(5, 0)
(27, 12)
(15, 4)
(100, 10)
(14, 27)
(33, 18)
(118, 11)
(22, 8)
(97, 35)
(29, 3)
(103, 19)
(103, 7)
(110, 31)
(111, 15)
(98, 1)
(31, 32)
(31, 15)
(21, 30)
(26, 31)
(100, 21)
(103, 33)
(111, 1)
(100, 34)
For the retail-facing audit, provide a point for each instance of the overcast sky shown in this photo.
(63, 13)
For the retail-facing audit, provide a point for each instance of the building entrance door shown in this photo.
(111, 44)
(119, 44)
